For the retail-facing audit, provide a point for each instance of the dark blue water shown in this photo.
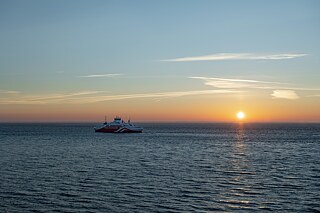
(169, 167)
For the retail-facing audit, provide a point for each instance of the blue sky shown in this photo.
(49, 47)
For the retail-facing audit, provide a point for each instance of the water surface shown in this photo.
(169, 167)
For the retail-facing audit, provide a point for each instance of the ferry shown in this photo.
(118, 126)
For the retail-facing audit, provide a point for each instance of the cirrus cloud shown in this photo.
(279, 89)
(93, 97)
(9, 91)
(231, 83)
(285, 94)
(237, 56)
(100, 75)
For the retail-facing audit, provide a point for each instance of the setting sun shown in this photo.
(241, 115)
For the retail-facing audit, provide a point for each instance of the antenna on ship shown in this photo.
(105, 118)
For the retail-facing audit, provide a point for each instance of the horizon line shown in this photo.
(168, 122)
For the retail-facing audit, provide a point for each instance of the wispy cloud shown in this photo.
(285, 94)
(237, 56)
(100, 75)
(229, 83)
(316, 95)
(92, 97)
(288, 88)
(9, 92)
(155, 95)
(60, 97)
(44, 99)
(280, 90)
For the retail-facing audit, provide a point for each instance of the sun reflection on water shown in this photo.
(239, 173)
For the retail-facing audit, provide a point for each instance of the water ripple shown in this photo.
(168, 168)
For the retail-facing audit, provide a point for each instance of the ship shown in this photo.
(118, 126)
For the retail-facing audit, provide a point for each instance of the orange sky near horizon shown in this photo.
(180, 109)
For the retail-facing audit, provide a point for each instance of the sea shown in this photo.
(170, 167)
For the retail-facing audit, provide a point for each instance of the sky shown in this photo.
(159, 61)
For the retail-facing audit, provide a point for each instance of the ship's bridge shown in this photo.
(117, 119)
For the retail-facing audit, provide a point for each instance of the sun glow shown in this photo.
(241, 115)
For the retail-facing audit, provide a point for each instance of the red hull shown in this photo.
(118, 126)
(117, 130)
